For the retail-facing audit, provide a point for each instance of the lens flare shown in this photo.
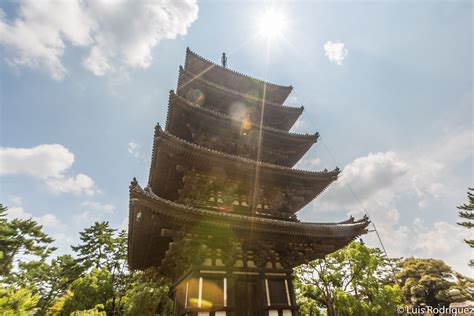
(272, 23)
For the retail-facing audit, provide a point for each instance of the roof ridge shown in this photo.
(189, 51)
(239, 93)
(228, 117)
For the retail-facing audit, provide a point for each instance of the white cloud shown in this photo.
(46, 220)
(418, 222)
(124, 224)
(336, 52)
(381, 181)
(18, 212)
(100, 207)
(293, 100)
(48, 162)
(308, 164)
(94, 211)
(135, 150)
(429, 242)
(393, 215)
(65, 239)
(116, 32)
(37, 37)
(15, 200)
(97, 62)
(80, 184)
(300, 126)
(438, 240)
(371, 178)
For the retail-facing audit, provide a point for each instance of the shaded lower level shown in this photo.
(235, 293)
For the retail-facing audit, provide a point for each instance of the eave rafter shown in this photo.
(294, 145)
(276, 115)
(158, 217)
(170, 151)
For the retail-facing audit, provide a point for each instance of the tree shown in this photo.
(352, 280)
(149, 297)
(102, 248)
(88, 291)
(19, 239)
(467, 214)
(462, 289)
(49, 280)
(425, 281)
(98, 245)
(15, 301)
(122, 278)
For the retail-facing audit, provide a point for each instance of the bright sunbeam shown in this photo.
(272, 23)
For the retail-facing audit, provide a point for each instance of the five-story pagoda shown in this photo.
(218, 216)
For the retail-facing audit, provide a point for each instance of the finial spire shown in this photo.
(224, 60)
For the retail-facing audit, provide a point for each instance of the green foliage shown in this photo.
(307, 305)
(58, 304)
(49, 280)
(21, 238)
(352, 280)
(467, 214)
(149, 298)
(17, 301)
(98, 246)
(462, 289)
(89, 290)
(425, 281)
(98, 310)
(103, 248)
(96, 283)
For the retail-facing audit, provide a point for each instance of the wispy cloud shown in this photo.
(46, 220)
(117, 33)
(136, 151)
(15, 200)
(336, 52)
(99, 207)
(309, 164)
(94, 211)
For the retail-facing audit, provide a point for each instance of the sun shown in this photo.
(272, 23)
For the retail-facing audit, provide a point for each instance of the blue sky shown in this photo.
(390, 93)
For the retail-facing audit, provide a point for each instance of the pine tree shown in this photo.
(98, 246)
(21, 238)
(105, 249)
(467, 214)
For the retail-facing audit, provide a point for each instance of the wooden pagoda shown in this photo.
(218, 216)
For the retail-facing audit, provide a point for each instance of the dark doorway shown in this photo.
(248, 301)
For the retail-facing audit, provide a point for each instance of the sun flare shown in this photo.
(272, 23)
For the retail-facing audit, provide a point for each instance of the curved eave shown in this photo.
(275, 115)
(169, 151)
(206, 68)
(147, 246)
(302, 141)
(231, 160)
(186, 77)
(344, 229)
